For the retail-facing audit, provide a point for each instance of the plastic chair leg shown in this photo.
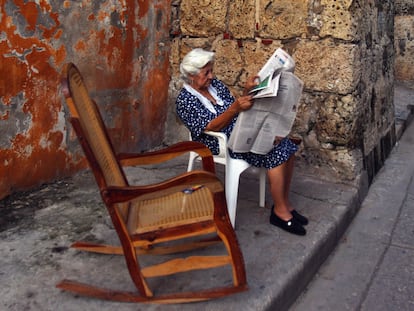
(232, 188)
(233, 171)
(262, 191)
(234, 168)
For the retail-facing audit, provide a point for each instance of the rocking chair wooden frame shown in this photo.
(139, 213)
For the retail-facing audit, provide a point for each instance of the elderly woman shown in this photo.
(206, 104)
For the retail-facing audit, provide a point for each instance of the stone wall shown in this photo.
(121, 48)
(344, 54)
(404, 40)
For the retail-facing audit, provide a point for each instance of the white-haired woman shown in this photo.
(206, 104)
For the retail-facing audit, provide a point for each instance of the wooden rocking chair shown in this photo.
(146, 216)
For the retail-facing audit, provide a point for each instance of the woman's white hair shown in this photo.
(194, 61)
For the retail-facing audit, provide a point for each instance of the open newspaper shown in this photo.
(274, 109)
(270, 73)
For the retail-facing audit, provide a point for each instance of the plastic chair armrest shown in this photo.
(222, 140)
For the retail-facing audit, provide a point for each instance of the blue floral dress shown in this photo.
(196, 116)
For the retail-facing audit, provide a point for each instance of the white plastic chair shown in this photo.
(233, 169)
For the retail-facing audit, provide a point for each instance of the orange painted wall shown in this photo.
(122, 50)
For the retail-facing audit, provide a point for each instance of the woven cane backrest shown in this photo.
(94, 130)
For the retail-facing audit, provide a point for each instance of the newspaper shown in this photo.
(270, 73)
(267, 88)
(270, 116)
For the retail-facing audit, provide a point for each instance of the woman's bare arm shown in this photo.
(242, 103)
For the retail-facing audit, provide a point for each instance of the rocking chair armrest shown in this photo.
(120, 194)
(168, 153)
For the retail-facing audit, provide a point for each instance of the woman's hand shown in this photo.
(243, 103)
(251, 83)
(240, 104)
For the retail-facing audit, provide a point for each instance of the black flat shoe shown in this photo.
(291, 225)
(300, 218)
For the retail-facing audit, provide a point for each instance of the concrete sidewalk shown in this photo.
(35, 254)
(37, 227)
(372, 267)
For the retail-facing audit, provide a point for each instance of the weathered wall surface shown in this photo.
(344, 54)
(121, 48)
(404, 40)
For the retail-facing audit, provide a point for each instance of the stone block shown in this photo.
(347, 163)
(404, 7)
(331, 119)
(203, 18)
(337, 120)
(327, 66)
(175, 58)
(242, 18)
(228, 63)
(338, 19)
(255, 55)
(404, 47)
(307, 113)
(187, 44)
(282, 19)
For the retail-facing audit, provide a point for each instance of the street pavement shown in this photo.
(37, 228)
(373, 266)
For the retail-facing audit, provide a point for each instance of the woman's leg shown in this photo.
(286, 189)
(283, 214)
(279, 179)
(289, 175)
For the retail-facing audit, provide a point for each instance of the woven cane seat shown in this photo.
(174, 209)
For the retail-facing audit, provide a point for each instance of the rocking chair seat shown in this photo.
(171, 210)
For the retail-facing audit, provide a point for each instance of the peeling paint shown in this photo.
(105, 39)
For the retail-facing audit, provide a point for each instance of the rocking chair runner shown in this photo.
(145, 216)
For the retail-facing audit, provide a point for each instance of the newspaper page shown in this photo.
(270, 73)
(255, 129)
(279, 59)
(247, 127)
(270, 89)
